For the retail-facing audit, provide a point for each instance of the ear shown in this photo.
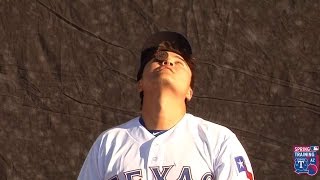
(139, 86)
(189, 94)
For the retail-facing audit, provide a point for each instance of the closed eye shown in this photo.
(180, 62)
(157, 61)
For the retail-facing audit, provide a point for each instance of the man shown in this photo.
(165, 142)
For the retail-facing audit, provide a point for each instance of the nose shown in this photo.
(167, 62)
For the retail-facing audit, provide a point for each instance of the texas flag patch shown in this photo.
(241, 165)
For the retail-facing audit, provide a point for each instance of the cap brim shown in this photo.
(178, 41)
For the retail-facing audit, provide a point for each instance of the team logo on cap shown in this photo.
(241, 165)
(161, 55)
(306, 160)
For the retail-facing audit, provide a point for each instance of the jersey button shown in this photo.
(154, 159)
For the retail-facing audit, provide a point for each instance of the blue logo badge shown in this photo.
(306, 160)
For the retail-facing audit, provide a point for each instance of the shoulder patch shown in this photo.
(241, 165)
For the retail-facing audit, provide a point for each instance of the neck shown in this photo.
(161, 112)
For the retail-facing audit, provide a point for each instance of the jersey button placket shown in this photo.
(153, 157)
(156, 152)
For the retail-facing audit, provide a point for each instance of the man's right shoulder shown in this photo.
(121, 129)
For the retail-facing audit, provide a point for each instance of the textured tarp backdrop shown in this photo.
(68, 70)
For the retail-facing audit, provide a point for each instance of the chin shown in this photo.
(166, 81)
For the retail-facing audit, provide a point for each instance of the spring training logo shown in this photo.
(306, 160)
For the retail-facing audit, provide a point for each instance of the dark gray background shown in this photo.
(68, 68)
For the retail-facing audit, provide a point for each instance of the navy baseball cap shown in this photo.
(165, 41)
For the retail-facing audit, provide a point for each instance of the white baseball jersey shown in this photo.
(192, 149)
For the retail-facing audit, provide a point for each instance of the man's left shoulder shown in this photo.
(209, 127)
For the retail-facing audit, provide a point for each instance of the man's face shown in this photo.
(172, 72)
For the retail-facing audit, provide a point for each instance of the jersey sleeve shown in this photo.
(232, 161)
(92, 166)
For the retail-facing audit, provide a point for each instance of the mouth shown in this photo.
(165, 68)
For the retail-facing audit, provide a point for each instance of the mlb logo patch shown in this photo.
(306, 160)
(315, 148)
